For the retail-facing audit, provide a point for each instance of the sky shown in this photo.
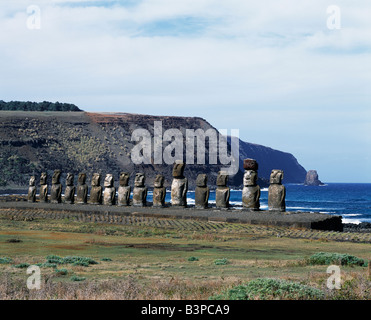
(291, 75)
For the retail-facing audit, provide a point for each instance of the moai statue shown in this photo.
(202, 192)
(96, 190)
(82, 189)
(159, 191)
(222, 192)
(276, 192)
(56, 190)
(69, 192)
(109, 194)
(43, 187)
(123, 194)
(31, 197)
(250, 191)
(179, 186)
(139, 191)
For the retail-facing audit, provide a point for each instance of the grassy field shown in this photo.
(148, 262)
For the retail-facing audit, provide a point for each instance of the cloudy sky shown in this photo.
(291, 75)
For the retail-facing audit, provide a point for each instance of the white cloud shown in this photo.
(275, 63)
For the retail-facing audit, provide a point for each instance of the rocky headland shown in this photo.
(36, 141)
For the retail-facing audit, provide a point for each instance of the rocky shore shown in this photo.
(361, 227)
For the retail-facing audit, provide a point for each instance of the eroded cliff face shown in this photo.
(32, 142)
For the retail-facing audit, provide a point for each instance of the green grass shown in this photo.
(77, 278)
(267, 288)
(61, 272)
(74, 260)
(344, 259)
(5, 260)
(22, 265)
(193, 259)
(106, 259)
(221, 262)
(177, 263)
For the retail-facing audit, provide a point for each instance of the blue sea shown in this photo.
(352, 201)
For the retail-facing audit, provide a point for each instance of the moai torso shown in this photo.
(96, 190)
(109, 193)
(276, 192)
(139, 191)
(202, 192)
(179, 186)
(31, 197)
(159, 191)
(56, 190)
(123, 193)
(222, 192)
(43, 195)
(82, 189)
(69, 191)
(250, 191)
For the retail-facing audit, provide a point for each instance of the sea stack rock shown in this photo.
(109, 194)
(179, 186)
(56, 190)
(43, 187)
(222, 192)
(250, 191)
(202, 192)
(139, 191)
(311, 179)
(96, 189)
(123, 193)
(69, 192)
(276, 192)
(159, 191)
(31, 196)
(82, 189)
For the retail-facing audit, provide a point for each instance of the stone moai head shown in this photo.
(82, 178)
(108, 180)
(124, 179)
(32, 181)
(69, 179)
(201, 180)
(249, 178)
(95, 181)
(159, 181)
(56, 176)
(43, 178)
(178, 169)
(222, 179)
(276, 177)
(139, 180)
(250, 164)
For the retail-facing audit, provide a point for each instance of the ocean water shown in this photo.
(352, 201)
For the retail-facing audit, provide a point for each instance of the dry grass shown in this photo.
(125, 289)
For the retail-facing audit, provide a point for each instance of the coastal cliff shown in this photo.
(34, 141)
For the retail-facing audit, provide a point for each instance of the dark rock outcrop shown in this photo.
(95, 142)
(311, 179)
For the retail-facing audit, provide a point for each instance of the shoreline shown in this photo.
(305, 220)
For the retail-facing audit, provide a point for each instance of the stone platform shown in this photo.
(307, 220)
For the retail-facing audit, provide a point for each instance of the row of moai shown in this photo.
(179, 189)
